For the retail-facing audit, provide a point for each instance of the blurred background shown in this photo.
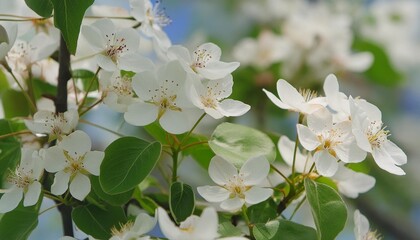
(372, 46)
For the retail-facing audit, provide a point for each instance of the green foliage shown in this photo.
(14, 104)
(43, 8)
(382, 71)
(181, 201)
(68, 16)
(85, 77)
(9, 149)
(127, 162)
(98, 222)
(237, 143)
(328, 209)
(263, 211)
(283, 229)
(42, 87)
(115, 200)
(226, 228)
(19, 223)
(4, 84)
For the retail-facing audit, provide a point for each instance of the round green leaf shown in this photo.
(98, 222)
(237, 143)
(115, 200)
(127, 162)
(181, 201)
(9, 149)
(42, 7)
(328, 209)
(14, 104)
(19, 223)
(283, 229)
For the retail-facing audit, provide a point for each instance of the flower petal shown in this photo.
(61, 183)
(320, 120)
(255, 170)
(135, 62)
(78, 143)
(213, 193)
(80, 186)
(276, 100)
(361, 225)
(397, 155)
(233, 108)
(175, 122)
(32, 194)
(257, 194)
(289, 95)
(54, 159)
(141, 114)
(350, 153)
(217, 70)
(144, 223)
(232, 204)
(307, 138)
(11, 199)
(92, 161)
(106, 63)
(325, 163)
(207, 224)
(221, 171)
(168, 228)
(386, 162)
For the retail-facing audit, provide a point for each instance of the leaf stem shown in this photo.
(15, 134)
(100, 127)
(54, 206)
(175, 154)
(281, 174)
(193, 144)
(295, 150)
(248, 222)
(88, 89)
(192, 129)
(90, 107)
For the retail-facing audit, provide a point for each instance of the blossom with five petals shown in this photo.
(24, 181)
(117, 90)
(72, 160)
(237, 188)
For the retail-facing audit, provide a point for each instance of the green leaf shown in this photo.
(263, 211)
(85, 76)
(328, 209)
(226, 229)
(283, 229)
(19, 223)
(68, 16)
(42, 87)
(382, 71)
(14, 104)
(237, 143)
(181, 201)
(98, 222)
(42, 7)
(9, 149)
(115, 200)
(127, 162)
(4, 83)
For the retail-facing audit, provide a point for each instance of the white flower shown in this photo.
(351, 183)
(305, 102)
(371, 136)
(236, 189)
(117, 90)
(163, 96)
(54, 124)
(116, 48)
(72, 161)
(142, 225)
(266, 50)
(205, 61)
(331, 142)
(8, 34)
(193, 228)
(24, 181)
(152, 20)
(210, 95)
(303, 162)
(362, 228)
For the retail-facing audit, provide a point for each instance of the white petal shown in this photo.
(276, 100)
(141, 114)
(77, 143)
(92, 161)
(144, 84)
(144, 223)
(289, 95)
(325, 163)
(135, 62)
(232, 204)
(257, 194)
(212, 49)
(221, 171)
(106, 63)
(11, 199)
(61, 183)
(217, 70)
(105, 27)
(72, 117)
(178, 52)
(213, 193)
(307, 138)
(32, 194)
(175, 122)
(358, 183)
(54, 159)
(255, 170)
(361, 225)
(131, 39)
(166, 225)
(94, 37)
(286, 149)
(320, 120)
(362, 140)
(233, 108)
(385, 161)
(350, 153)
(207, 224)
(331, 90)
(80, 186)
(397, 155)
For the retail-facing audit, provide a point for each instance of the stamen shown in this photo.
(308, 94)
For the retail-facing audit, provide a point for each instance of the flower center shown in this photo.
(372, 235)
(308, 94)
(42, 25)
(201, 58)
(123, 229)
(211, 97)
(74, 164)
(115, 46)
(236, 186)
(56, 122)
(377, 134)
(122, 86)
(165, 98)
(21, 177)
(157, 16)
(330, 139)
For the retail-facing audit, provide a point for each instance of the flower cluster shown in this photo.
(339, 128)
